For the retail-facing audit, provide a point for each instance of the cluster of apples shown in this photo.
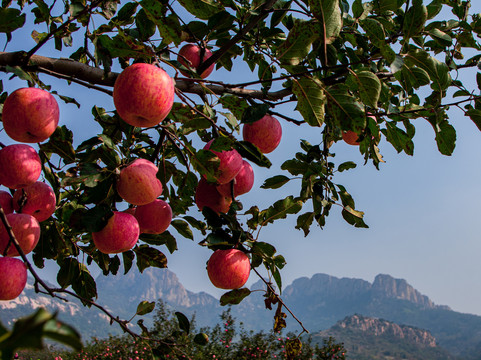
(30, 115)
(143, 96)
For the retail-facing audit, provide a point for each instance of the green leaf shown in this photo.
(445, 135)
(183, 322)
(328, 12)
(475, 116)
(369, 87)
(202, 9)
(11, 19)
(234, 297)
(304, 222)
(234, 104)
(415, 19)
(264, 248)
(148, 256)
(310, 99)
(295, 167)
(183, 228)
(63, 333)
(438, 71)
(345, 109)
(145, 307)
(126, 12)
(145, 25)
(280, 209)
(251, 152)
(60, 143)
(84, 285)
(275, 182)
(201, 339)
(254, 113)
(374, 31)
(399, 139)
(298, 43)
(170, 29)
(346, 166)
(381, 6)
(441, 37)
(354, 217)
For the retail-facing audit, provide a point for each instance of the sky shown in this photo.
(422, 211)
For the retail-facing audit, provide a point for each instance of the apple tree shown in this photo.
(188, 147)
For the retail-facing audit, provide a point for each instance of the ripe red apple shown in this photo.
(265, 133)
(206, 194)
(143, 95)
(6, 202)
(350, 137)
(20, 166)
(30, 115)
(38, 200)
(243, 182)
(138, 184)
(228, 269)
(155, 217)
(13, 278)
(120, 234)
(26, 230)
(230, 164)
(191, 56)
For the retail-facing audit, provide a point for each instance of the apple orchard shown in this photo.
(353, 71)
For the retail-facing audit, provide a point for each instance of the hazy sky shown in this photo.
(422, 210)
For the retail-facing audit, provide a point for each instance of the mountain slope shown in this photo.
(374, 339)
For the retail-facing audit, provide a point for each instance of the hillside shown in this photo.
(376, 339)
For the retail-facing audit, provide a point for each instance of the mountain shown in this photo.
(368, 338)
(319, 302)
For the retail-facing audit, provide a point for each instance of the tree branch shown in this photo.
(71, 69)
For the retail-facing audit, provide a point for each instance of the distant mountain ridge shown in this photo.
(320, 302)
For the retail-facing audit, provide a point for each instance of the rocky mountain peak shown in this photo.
(380, 327)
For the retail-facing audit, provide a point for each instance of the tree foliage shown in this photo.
(371, 67)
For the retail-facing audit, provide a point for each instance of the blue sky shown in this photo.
(422, 210)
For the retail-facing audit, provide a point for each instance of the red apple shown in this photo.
(38, 200)
(20, 166)
(120, 234)
(6, 202)
(265, 133)
(230, 164)
(30, 115)
(13, 278)
(155, 217)
(143, 95)
(206, 194)
(228, 269)
(138, 184)
(191, 56)
(243, 182)
(26, 230)
(350, 137)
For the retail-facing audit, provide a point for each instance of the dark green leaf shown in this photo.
(148, 256)
(475, 116)
(183, 228)
(251, 152)
(354, 217)
(275, 182)
(202, 9)
(369, 87)
(264, 248)
(295, 167)
(310, 99)
(201, 339)
(234, 297)
(304, 222)
(415, 19)
(298, 43)
(328, 12)
(346, 166)
(281, 209)
(62, 333)
(10, 20)
(145, 307)
(254, 113)
(183, 322)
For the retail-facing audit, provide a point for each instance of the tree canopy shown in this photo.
(368, 69)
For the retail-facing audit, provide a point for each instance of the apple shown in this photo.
(243, 182)
(155, 217)
(13, 278)
(120, 234)
(30, 115)
(191, 56)
(20, 166)
(265, 133)
(138, 184)
(26, 230)
(6, 202)
(228, 269)
(206, 194)
(38, 200)
(143, 95)
(230, 164)
(350, 137)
